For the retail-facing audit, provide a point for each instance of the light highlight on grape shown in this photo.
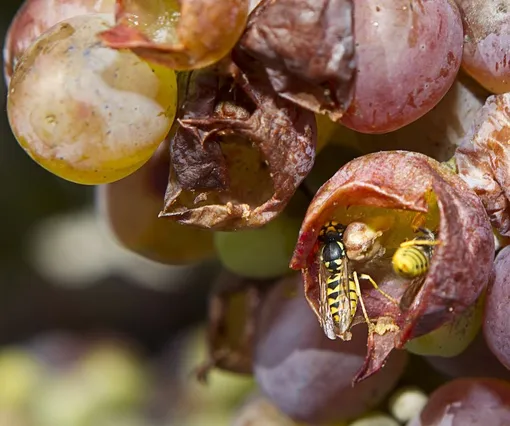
(87, 113)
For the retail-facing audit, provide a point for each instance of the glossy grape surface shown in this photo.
(467, 402)
(87, 113)
(408, 56)
(497, 319)
(307, 375)
(35, 17)
(487, 42)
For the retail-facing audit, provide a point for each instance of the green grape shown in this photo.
(259, 253)
(20, 374)
(451, 339)
(115, 375)
(85, 112)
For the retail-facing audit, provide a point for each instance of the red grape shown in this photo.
(497, 319)
(467, 402)
(487, 42)
(408, 56)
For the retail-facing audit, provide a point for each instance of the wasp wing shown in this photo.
(326, 318)
(410, 293)
(344, 299)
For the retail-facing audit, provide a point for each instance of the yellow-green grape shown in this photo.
(451, 339)
(87, 113)
(223, 391)
(20, 376)
(115, 376)
(259, 253)
(407, 402)
(375, 419)
(259, 411)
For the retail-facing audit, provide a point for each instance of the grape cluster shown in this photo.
(237, 130)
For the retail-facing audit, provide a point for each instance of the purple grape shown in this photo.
(307, 375)
(497, 319)
(467, 402)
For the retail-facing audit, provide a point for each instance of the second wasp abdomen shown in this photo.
(410, 262)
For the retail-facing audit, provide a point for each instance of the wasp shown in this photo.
(411, 260)
(339, 289)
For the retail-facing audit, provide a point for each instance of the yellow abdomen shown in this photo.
(410, 262)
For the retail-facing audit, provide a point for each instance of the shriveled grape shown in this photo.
(304, 373)
(467, 402)
(487, 42)
(497, 316)
(408, 56)
(35, 17)
(184, 34)
(87, 113)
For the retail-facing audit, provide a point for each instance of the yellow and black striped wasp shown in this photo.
(411, 260)
(339, 288)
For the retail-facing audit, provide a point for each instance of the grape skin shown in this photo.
(467, 402)
(487, 42)
(304, 373)
(497, 325)
(408, 57)
(35, 17)
(87, 113)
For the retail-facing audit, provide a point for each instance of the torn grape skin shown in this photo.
(460, 267)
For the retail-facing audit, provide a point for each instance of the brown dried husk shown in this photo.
(233, 306)
(461, 264)
(302, 56)
(239, 154)
(483, 160)
(205, 32)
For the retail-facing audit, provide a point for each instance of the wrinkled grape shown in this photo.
(130, 208)
(180, 34)
(87, 113)
(487, 42)
(35, 17)
(497, 319)
(467, 402)
(304, 373)
(408, 56)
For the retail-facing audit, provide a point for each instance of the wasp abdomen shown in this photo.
(411, 262)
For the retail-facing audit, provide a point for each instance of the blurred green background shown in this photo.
(91, 334)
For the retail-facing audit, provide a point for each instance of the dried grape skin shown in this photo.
(408, 56)
(487, 42)
(467, 402)
(497, 325)
(304, 373)
(36, 16)
(182, 35)
(89, 122)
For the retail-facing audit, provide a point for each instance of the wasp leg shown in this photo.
(370, 324)
(420, 243)
(369, 278)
